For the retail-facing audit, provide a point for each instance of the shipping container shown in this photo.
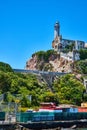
(24, 116)
(58, 111)
(43, 113)
(2, 116)
(70, 116)
(71, 109)
(43, 118)
(82, 109)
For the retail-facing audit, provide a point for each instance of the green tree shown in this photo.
(9, 97)
(81, 66)
(5, 67)
(50, 97)
(83, 54)
(69, 89)
(25, 102)
(69, 47)
(45, 55)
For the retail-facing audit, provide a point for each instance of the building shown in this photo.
(84, 104)
(85, 83)
(71, 56)
(86, 45)
(59, 44)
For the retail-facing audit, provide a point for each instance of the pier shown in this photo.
(55, 124)
(4, 125)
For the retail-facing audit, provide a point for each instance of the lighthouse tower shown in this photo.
(56, 30)
(56, 43)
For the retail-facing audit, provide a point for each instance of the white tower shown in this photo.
(56, 30)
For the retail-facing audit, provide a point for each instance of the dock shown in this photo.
(55, 124)
(6, 125)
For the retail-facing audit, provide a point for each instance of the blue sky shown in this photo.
(27, 26)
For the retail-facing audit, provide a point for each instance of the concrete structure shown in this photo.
(59, 44)
(58, 40)
(56, 30)
(47, 76)
(86, 45)
(85, 84)
(71, 56)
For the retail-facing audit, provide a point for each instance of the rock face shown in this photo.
(54, 63)
(61, 65)
(32, 63)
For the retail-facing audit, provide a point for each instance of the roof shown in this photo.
(47, 103)
(66, 105)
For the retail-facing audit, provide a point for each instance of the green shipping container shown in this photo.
(2, 116)
(70, 116)
(24, 116)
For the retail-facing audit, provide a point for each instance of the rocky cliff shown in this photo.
(51, 63)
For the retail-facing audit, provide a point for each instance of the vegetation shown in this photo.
(20, 86)
(69, 89)
(5, 67)
(48, 67)
(83, 54)
(43, 58)
(81, 66)
(68, 48)
(44, 55)
(29, 90)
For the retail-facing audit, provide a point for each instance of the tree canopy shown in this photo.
(17, 87)
(83, 54)
(69, 89)
(45, 55)
(81, 66)
(5, 67)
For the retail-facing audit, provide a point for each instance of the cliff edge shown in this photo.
(48, 61)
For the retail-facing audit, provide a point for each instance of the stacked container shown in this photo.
(82, 109)
(24, 116)
(43, 116)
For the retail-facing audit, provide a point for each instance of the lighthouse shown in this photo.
(56, 43)
(56, 30)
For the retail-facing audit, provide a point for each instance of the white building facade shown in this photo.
(85, 84)
(59, 44)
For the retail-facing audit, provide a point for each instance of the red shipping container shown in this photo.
(82, 109)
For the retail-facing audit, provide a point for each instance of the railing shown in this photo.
(38, 72)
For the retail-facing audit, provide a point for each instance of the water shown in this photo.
(74, 129)
(65, 129)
